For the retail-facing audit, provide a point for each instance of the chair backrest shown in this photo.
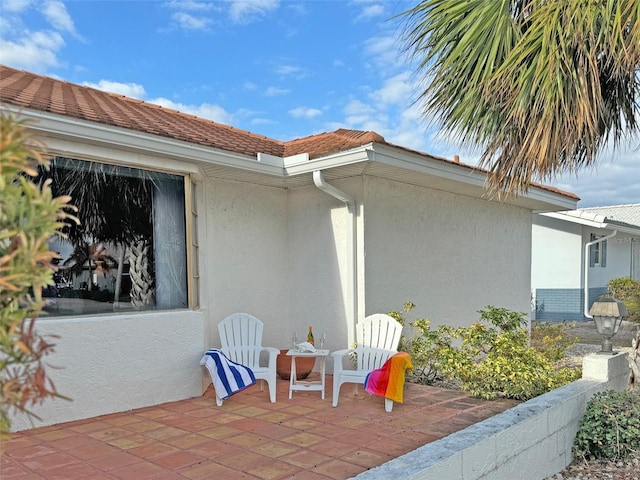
(378, 338)
(241, 338)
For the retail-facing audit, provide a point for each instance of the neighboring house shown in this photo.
(578, 248)
(319, 231)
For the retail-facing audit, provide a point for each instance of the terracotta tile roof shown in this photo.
(325, 143)
(28, 90)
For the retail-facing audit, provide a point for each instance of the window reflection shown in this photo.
(129, 251)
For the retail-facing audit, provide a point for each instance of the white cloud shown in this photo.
(56, 14)
(385, 52)
(189, 5)
(371, 11)
(276, 92)
(34, 52)
(15, 6)
(290, 71)
(396, 90)
(205, 110)
(131, 90)
(614, 180)
(305, 112)
(358, 108)
(189, 22)
(246, 11)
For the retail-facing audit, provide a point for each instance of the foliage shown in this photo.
(29, 216)
(495, 359)
(491, 358)
(423, 347)
(551, 339)
(540, 86)
(610, 427)
(627, 290)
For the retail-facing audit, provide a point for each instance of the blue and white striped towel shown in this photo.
(228, 377)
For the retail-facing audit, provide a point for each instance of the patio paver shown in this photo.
(247, 438)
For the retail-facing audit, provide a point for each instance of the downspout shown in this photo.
(586, 269)
(350, 203)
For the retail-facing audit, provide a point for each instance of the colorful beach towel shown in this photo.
(388, 381)
(228, 377)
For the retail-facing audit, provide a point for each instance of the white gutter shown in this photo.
(352, 274)
(586, 269)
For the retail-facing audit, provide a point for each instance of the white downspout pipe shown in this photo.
(350, 203)
(586, 269)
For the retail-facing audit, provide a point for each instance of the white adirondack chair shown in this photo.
(378, 336)
(241, 339)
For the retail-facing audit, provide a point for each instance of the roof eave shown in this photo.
(54, 130)
(596, 221)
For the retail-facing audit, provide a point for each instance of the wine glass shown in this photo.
(323, 339)
(294, 341)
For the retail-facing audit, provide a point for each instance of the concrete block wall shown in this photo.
(532, 440)
(557, 304)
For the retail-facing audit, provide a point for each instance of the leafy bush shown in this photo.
(552, 339)
(495, 359)
(29, 216)
(627, 290)
(610, 427)
(423, 347)
(488, 359)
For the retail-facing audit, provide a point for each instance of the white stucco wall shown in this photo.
(450, 255)
(320, 265)
(108, 363)
(619, 257)
(246, 257)
(556, 254)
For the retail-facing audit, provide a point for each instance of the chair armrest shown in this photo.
(338, 356)
(273, 354)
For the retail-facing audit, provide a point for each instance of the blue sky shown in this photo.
(283, 69)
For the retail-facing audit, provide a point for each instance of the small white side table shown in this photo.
(315, 385)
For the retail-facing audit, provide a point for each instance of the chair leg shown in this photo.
(388, 405)
(271, 383)
(272, 392)
(336, 390)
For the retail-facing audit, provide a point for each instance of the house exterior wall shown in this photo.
(113, 363)
(449, 254)
(556, 254)
(557, 271)
(319, 264)
(245, 257)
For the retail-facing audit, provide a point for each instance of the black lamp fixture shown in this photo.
(608, 313)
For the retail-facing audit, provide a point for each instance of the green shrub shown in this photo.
(552, 339)
(627, 290)
(423, 347)
(29, 216)
(495, 359)
(610, 427)
(491, 358)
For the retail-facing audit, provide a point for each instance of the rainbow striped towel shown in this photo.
(388, 381)
(228, 377)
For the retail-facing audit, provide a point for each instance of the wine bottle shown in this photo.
(310, 335)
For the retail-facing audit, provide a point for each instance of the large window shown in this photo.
(129, 251)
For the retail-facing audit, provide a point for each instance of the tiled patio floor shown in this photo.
(247, 438)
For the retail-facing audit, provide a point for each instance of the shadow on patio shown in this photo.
(247, 438)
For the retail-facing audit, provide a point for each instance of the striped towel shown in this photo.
(388, 381)
(228, 377)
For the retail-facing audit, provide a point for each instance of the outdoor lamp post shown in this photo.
(608, 313)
